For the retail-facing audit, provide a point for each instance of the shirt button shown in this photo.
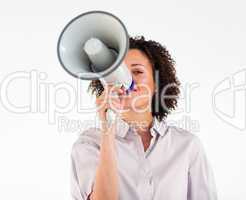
(150, 181)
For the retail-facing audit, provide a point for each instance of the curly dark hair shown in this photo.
(163, 63)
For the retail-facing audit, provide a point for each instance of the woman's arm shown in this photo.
(201, 179)
(106, 181)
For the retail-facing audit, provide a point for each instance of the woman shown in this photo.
(139, 156)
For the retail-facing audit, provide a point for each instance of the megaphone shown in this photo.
(93, 46)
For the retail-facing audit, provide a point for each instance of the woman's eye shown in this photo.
(137, 72)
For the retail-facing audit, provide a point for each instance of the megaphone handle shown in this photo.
(111, 116)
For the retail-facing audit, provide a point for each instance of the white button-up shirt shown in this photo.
(174, 167)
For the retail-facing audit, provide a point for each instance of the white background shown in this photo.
(207, 40)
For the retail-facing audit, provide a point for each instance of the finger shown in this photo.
(117, 90)
(117, 107)
(114, 103)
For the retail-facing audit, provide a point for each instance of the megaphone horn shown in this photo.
(93, 46)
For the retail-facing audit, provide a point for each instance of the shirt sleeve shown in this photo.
(201, 183)
(84, 160)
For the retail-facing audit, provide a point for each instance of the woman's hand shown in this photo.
(109, 99)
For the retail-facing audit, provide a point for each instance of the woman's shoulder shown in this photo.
(182, 135)
(190, 143)
(181, 132)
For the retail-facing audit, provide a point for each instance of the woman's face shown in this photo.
(141, 69)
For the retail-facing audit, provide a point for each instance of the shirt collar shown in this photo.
(158, 127)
